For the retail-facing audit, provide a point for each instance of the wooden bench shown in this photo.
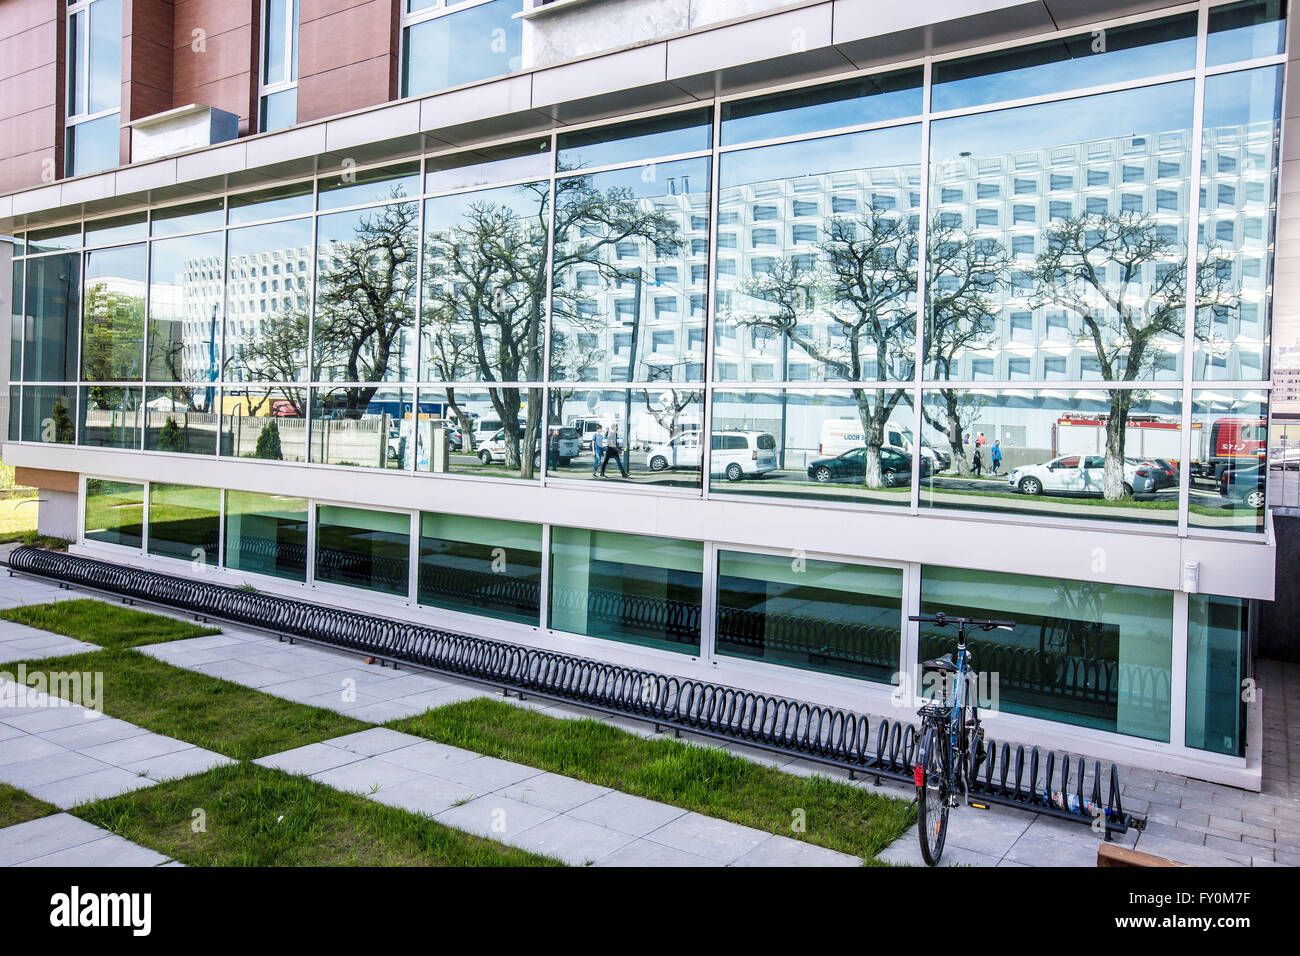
(1110, 854)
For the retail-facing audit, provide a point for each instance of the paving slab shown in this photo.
(64, 840)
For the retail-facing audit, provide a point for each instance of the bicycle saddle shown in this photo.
(944, 664)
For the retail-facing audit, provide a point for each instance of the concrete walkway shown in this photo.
(66, 754)
(574, 821)
(64, 840)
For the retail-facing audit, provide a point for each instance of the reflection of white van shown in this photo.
(486, 426)
(843, 434)
(736, 454)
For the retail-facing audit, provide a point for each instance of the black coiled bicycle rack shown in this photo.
(827, 735)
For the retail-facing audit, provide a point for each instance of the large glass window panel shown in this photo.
(1244, 31)
(360, 425)
(279, 110)
(17, 271)
(111, 416)
(52, 301)
(484, 310)
(181, 419)
(622, 295)
(1239, 162)
(112, 330)
(481, 566)
(849, 445)
(49, 414)
(1088, 250)
(1217, 667)
(191, 217)
(185, 522)
(634, 142)
(276, 23)
(186, 285)
(645, 436)
(827, 616)
(125, 228)
(93, 145)
(15, 408)
(268, 301)
(114, 512)
(363, 548)
(1091, 58)
(462, 47)
(1083, 653)
(264, 422)
(492, 433)
(273, 203)
(1229, 480)
(869, 99)
(266, 534)
(354, 187)
(824, 279)
(1075, 455)
(54, 238)
(529, 159)
(366, 270)
(105, 45)
(626, 587)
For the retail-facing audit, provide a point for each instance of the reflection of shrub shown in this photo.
(268, 443)
(171, 438)
(64, 427)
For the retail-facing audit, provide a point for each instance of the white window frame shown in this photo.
(81, 37)
(289, 78)
(407, 20)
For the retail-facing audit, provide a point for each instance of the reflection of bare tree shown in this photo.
(276, 354)
(365, 302)
(1126, 283)
(964, 274)
(668, 407)
(486, 279)
(865, 268)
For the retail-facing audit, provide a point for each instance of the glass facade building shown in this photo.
(999, 320)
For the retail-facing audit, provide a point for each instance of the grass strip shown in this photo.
(18, 806)
(246, 815)
(710, 781)
(105, 624)
(215, 714)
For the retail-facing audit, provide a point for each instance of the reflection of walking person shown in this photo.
(597, 449)
(977, 461)
(613, 451)
(996, 455)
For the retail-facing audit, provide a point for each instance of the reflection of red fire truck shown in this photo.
(1233, 442)
(1145, 436)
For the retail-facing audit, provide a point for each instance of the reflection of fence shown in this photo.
(479, 589)
(1066, 683)
(822, 642)
(360, 441)
(241, 432)
(828, 735)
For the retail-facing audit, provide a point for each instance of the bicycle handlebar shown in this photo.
(944, 620)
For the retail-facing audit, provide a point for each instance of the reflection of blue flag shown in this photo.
(209, 394)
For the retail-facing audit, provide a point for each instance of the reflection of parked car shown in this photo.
(1163, 471)
(736, 454)
(1284, 456)
(1064, 476)
(493, 450)
(895, 467)
(1245, 484)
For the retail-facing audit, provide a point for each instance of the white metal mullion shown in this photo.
(544, 586)
(1178, 670)
(1193, 251)
(922, 309)
(548, 324)
(709, 603)
(710, 311)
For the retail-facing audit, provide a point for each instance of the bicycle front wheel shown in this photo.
(932, 798)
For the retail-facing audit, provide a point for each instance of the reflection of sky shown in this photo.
(1244, 43)
(271, 208)
(272, 237)
(524, 201)
(653, 179)
(575, 151)
(1131, 112)
(846, 104)
(1251, 96)
(334, 193)
(171, 257)
(125, 264)
(490, 171)
(1080, 68)
(896, 146)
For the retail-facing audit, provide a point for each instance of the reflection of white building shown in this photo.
(1012, 199)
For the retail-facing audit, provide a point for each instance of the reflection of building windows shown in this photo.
(951, 194)
(764, 213)
(761, 265)
(1018, 368)
(1224, 230)
(626, 250)
(1167, 169)
(661, 340)
(981, 368)
(726, 267)
(803, 234)
(699, 223)
(728, 371)
(1058, 209)
(698, 274)
(1167, 200)
(1131, 202)
(1227, 195)
(987, 190)
(1022, 326)
(625, 310)
(843, 204)
(1022, 213)
(727, 240)
(1096, 206)
(763, 237)
(697, 311)
(804, 207)
(694, 340)
(699, 247)
(1058, 181)
(1026, 187)
(1022, 245)
(762, 372)
(728, 217)
(986, 217)
(883, 201)
(950, 220)
(666, 275)
(1054, 367)
(1058, 327)
(798, 372)
(1098, 177)
(665, 306)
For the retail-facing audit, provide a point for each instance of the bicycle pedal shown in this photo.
(977, 805)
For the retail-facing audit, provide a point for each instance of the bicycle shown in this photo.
(952, 740)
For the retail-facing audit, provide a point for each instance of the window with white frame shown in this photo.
(448, 43)
(94, 85)
(278, 99)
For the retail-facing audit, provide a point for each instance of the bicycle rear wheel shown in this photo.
(932, 798)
